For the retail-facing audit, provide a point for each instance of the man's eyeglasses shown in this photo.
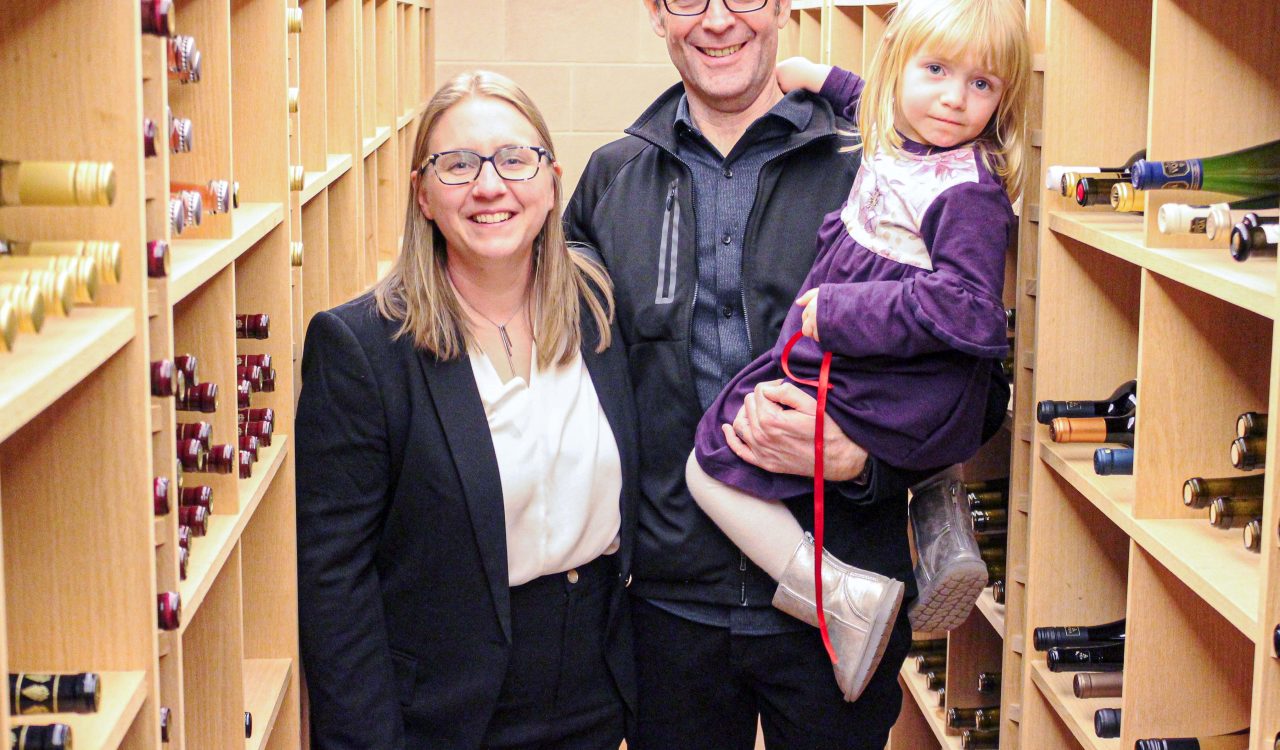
(698, 7)
(513, 163)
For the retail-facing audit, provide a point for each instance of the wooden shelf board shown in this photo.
(806, 4)
(44, 366)
(407, 118)
(379, 137)
(265, 683)
(122, 695)
(992, 611)
(1250, 285)
(927, 700)
(1210, 562)
(1076, 713)
(210, 552)
(314, 182)
(196, 261)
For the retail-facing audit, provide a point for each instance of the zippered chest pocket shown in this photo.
(669, 247)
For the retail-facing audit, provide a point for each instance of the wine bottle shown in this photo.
(180, 50)
(1248, 241)
(295, 254)
(245, 462)
(192, 207)
(215, 196)
(82, 271)
(192, 73)
(987, 718)
(1226, 513)
(1098, 684)
(202, 397)
(997, 484)
(54, 693)
(291, 100)
(253, 326)
(57, 288)
(1252, 535)
(1182, 218)
(1221, 223)
(249, 444)
(40, 737)
(164, 724)
(25, 305)
(1122, 401)
(160, 496)
(264, 414)
(1046, 638)
(177, 216)
(184, 537)
(997, 590)
(1199, 492)
(942, 697)
(1107, 658)
(297, 177)
(157, 259)
(188, 364)
(248, 725)
(994, 519)
(1106, 723)
(259, 360)
(1251, 424)
(1237, 740)
(1093, 430)
(106, 255)
(293, 20)
(991, 498)
(1125, 198)
(1095, 189)
(200, 496)
(261, 430)
(244, 394)
(962, 718)
(934, 662)
(988, 682)
(1249, 453)
(149, 132)
(251, 374)
(222, 459)
(192, 455)
(935, 680)
(1113, 462)
(979, 739)
(1275, 642)
(180, 134)
(1056, 176)
(169, 609)
(184, 559)
(163, 375)
(992, 556)
(194, 517)
(201, 432)
(8, 326)
(57, 183)
(1249, 171)
(158, 17)
(927, 646)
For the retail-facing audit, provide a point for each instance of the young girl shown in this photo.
(905, 291)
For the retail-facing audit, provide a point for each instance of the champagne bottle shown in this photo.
(1221, 223)
(1182, 218)
(1122, 401)
(1237, 740)
(1093, 430)
(1251, 424)
(931, 662)
(1108, 658)
(1226, 513)
(56, 288)
(1249, 453)
(1113, 462)
(106, 255)
(40, 737)
(160, 496)
(54, 693)
(1199, 492)
(1249, 171)
(57, 183)
(253, 326)
(1044, 639)
(1252, 535)
(169, 610)
(1098, 684)
(1106, 723)
(158, 17)
(25, 304)
(157, 259)
(979, 739)
(1248, 241)
(1125, 198)
(215, 196)
(935, 680)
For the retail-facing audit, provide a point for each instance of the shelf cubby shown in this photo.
(213, 664)
(1073, 713)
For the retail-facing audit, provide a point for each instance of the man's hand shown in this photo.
(801, 73)
(809, 324)
(774, 430)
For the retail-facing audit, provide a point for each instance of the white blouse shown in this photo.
(561, 473)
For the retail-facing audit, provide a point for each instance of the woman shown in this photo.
(465, 453)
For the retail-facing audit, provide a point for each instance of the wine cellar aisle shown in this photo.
(181, 189)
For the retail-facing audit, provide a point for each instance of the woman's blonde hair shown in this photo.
(995, 33)
(417, 291)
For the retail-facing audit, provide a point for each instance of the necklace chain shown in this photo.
(502, 328)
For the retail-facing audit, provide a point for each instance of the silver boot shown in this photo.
(950, 573)
(861, 607)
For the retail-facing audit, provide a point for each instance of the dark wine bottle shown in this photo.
(1113, 462)
(1249, 453)
(202, 398)
(979, 739)
(935, 680)
(1238, 740)
(194, 517)
(1044, 639)
(1098, 684)
(253, 326)
(1063, 178)
(1199, 492)
(1251, 424)
(54, 693)
(942, 697)
(261, 430)
(1225, 513)
(995, 519)
(1093, 430)
(1106, 723)
(201, 496)
(964, 718)
(158, 17)
(997, 590)
(927, 646)
(934, 662)
(157, 259)
(1220, 223)
(1108, 658)
(1248, 241)
(248, 725)
(1249, 171)
(1095, 189)
(1251, 537)
(164, 724)
(199, 431)
(160, 496)
(987, 718)
(169, 610)
(222, 459)
(40, 737)
(1123, 401)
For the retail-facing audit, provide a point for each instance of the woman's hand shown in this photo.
(801, 73)
(809, 319)
(774, 430)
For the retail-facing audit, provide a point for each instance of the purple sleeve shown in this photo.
(957, 306)
(842, 90)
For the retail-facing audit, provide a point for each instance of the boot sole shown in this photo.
(949, 599)
(879, 633)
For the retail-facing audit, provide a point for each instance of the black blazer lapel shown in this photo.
(453, 389)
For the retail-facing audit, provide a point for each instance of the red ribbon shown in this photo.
(823, 386)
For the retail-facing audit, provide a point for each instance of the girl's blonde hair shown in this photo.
(417, 291)
(995, 33)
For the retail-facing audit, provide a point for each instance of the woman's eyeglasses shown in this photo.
(513, 163)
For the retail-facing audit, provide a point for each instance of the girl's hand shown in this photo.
(809, 301)
(801, 73)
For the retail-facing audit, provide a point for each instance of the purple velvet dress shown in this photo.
(910, 272)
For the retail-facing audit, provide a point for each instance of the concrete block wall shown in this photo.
(592, 66)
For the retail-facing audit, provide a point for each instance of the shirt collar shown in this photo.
(795, 109)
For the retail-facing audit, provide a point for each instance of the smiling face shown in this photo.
(725, 59)
(490, 221)
(945, 100)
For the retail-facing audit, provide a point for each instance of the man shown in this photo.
(706, 216)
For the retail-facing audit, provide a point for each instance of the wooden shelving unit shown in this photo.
(81, 438)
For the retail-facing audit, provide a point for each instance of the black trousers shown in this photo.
(558, 693)
(702, 688)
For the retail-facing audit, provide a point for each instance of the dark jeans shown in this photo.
(702, 688)
(559, 693)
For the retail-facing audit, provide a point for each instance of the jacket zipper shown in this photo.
(669, 249)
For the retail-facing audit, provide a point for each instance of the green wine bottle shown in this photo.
(1249, 171)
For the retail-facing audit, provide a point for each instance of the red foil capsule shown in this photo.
(164, 723)
(222, 459)
(202, 398)
(261, 360)
(265, 414)
(158, 18)
(261, 430)
(252, 374)
(253, 326)
(201, 431)
(160, 495)
(148, 137)
(169, 609)
(162, 371)
(183, 557)
(246, 464)
(244, 394)
(249, 444)
(195, 518)
(269, 380)
(200, 496)
(187, 363)
(192, 455)
(157, 259)
(184, 537)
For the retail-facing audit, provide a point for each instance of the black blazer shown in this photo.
(403, 589)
